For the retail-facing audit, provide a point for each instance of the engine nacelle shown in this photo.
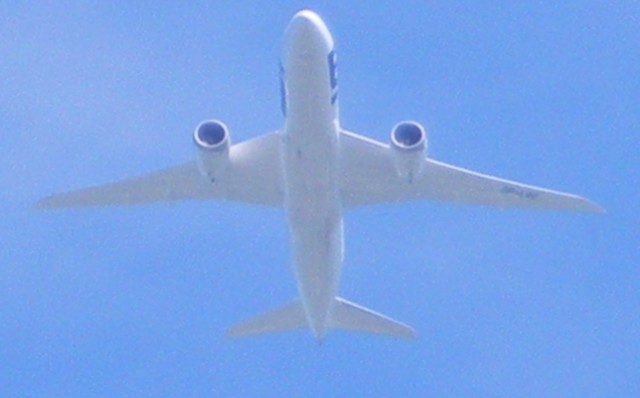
(212, 142)
(409, 148)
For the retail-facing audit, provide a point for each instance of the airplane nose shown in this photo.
(307, 30)
(305, 21)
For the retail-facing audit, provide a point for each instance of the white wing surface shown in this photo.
(254, 175)
(369, 177)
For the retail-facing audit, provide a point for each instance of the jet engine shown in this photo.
(408, 148)
(212, 142)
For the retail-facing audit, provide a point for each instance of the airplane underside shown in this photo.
(314, 169)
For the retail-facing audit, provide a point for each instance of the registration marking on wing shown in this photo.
(519, 192)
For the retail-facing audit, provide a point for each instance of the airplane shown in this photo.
(314, 169)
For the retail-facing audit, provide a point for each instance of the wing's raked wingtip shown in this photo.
(46, 203)
(40, 204)
(593, 207)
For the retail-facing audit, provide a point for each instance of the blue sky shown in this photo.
(128, 302)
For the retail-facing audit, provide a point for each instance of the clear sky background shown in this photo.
(133, 302)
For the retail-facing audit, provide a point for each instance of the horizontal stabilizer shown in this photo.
(344, 315)
(350, 316)
(288, 317)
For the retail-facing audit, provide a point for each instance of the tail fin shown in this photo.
(344, 315)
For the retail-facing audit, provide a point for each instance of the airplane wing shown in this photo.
(254, 175)
(369, 177)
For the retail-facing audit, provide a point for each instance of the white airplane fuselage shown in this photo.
(311, 166)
